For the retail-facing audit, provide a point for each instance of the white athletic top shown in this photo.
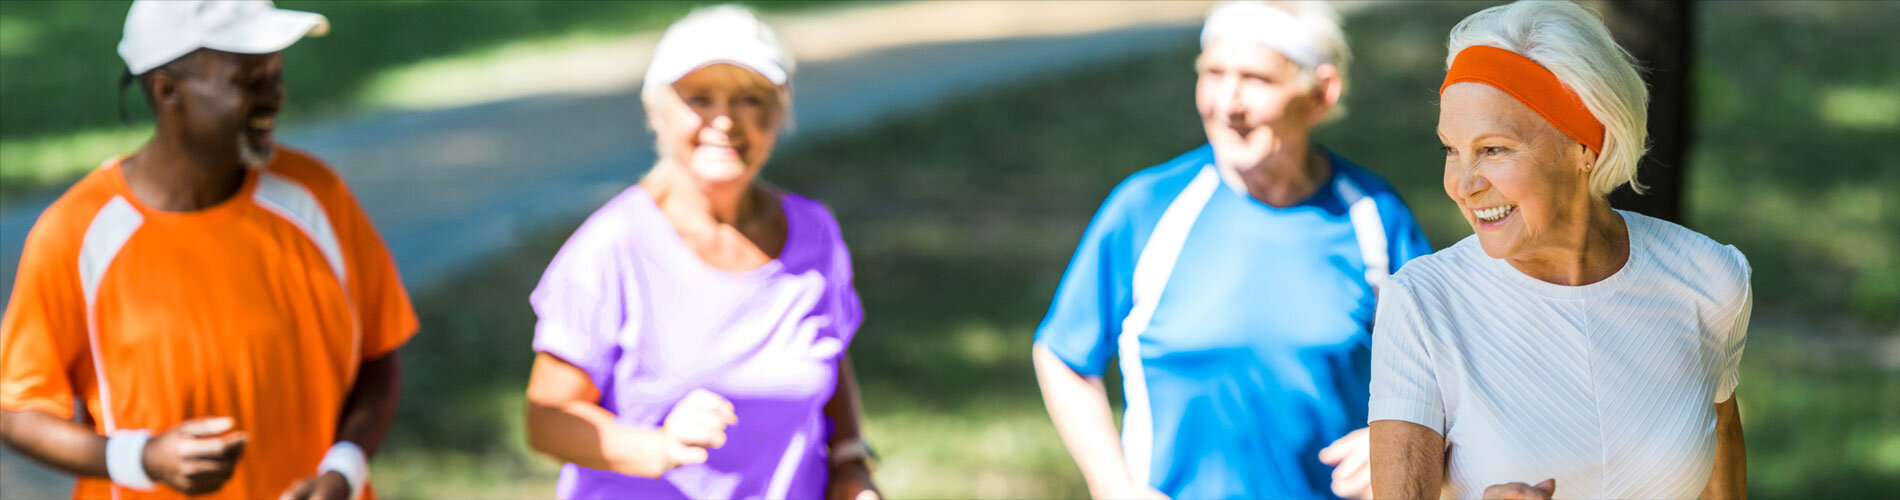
(1609, 387)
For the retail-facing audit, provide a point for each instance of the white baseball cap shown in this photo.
(724, 34)
(161, 31)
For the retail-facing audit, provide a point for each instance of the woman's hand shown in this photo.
(852, 481)
(1521, 491)
(696, 424)
(1351, 458)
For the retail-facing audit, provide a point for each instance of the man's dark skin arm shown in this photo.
(59, 443)
(367, 415)
(196, 457)
(371, 408)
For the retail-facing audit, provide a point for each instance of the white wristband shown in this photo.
(347, 458)
(125, 460)
(850, 450)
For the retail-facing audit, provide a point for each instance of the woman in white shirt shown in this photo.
(1566, 349)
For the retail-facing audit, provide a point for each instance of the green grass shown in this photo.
(1799, 106)
(59, 65)
(961, 220)
(1821, 421)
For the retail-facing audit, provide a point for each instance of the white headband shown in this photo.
(1275, 28)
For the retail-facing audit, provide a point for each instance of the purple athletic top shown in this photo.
(628, 302)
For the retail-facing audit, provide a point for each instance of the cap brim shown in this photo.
(269, 32)
(772, 73)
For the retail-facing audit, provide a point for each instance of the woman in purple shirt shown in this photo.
(692, 333)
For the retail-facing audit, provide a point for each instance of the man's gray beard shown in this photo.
(249, 154)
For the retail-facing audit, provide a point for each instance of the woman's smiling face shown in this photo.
(1516, 178)
(721, 122)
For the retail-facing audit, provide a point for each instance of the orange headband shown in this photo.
(1532, 85)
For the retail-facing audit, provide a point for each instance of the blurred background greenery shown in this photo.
(962, 218)
(59, 68)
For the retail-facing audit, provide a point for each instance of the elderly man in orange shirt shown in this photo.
(215, 307)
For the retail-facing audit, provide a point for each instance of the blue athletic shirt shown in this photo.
(1252, 322)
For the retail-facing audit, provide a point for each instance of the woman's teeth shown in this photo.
(263, 122)
(1494, 213)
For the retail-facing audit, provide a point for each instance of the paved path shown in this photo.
(447, 186)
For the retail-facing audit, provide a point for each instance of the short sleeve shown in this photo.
(850, 311)
(1404, 381)
(1734, 339)
(1094, 295)
(43, 335)
(847, 310)
(382, 303)
(578, 306)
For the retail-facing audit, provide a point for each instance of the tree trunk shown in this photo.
(1659, 33)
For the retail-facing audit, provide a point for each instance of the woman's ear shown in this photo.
(651, 108)
(1587, 159)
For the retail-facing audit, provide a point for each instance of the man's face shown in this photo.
(1252, 101)
(228, 106)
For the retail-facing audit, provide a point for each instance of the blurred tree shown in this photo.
(1660, 34)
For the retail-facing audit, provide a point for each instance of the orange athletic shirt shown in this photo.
(260, 308)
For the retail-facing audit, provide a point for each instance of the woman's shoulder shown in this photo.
(812, 216)
(1692, 257)
(616, 227)
(814, 237)
(1442, 271)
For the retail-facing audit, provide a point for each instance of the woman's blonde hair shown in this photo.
(1573, 44)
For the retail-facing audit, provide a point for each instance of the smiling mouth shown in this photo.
(723, 149)
(1494, 214)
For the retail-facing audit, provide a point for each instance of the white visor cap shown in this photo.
(724, 34)
(161, 31)
(1264, 24)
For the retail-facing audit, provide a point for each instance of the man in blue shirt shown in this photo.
(1235, 285)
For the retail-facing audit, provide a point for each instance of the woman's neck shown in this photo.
(735, 229)
(686, 200)
(1584, 253)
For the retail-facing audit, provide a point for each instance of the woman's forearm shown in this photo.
(1730, 477)
(586, 435)
(844, 409)
(1408, 460)
(565, 421)
(1079, 407)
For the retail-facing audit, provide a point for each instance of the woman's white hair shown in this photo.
(1573, 43)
